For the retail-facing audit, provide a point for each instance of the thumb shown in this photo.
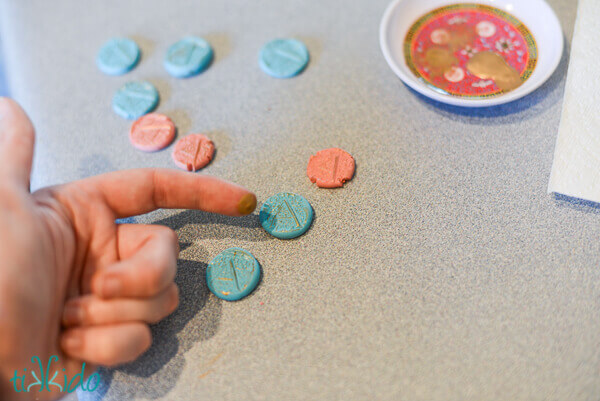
(16, 143)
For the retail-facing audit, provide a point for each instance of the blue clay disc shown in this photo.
(134, 99)
(233, 274)
(283, 58)
(118, 56)
(286, 215)
(188, 57)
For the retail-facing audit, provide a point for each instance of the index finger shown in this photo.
(139, 191)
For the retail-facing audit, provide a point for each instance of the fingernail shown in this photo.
(73, 314)
(247, 204)
(111, 287)
(72, 342)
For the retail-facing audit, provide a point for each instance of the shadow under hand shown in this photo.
(194, 225)
(155, 373)
(196, 319)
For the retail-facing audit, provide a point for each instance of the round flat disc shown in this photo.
(330, 168)
(152, 132)
(193, 152)
(286, 215)
(283, 58)
(233, 274)
(134, 99)
(118, 56)
(188, 56)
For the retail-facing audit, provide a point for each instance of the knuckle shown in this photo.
(168, 303)
(154, 278)
(155, 314)
(111, 353)
(108, 354)
(159, 195)
(160, 271)
(88, 314)
(169, 236)
(154, 317)
(145, 338)
(173, 298)
(157, 276)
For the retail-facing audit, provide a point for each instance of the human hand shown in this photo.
(75, 284)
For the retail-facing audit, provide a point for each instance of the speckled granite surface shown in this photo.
(443, 271)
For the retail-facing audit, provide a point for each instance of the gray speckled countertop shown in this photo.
(443, 271)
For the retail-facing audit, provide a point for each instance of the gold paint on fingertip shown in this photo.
(247, 204)
(489, 65)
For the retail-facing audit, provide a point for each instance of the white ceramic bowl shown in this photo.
(535, 14)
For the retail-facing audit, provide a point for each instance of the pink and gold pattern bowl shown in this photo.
(472, 54)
